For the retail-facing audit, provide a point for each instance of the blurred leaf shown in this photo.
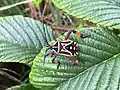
(22, 87)
(103, 12)
(13, 7)
(96, 52)
(37, 2)
(21, 38)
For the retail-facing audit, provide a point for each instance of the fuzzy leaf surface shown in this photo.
(21, 38)
(103, 12)
(98, 64)
(22, 87)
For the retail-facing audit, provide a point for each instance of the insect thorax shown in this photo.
(65, 48)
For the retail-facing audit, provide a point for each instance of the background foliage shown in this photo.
(23, 39)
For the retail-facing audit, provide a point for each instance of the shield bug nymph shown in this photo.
(66, 48)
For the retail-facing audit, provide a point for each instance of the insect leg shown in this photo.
(75, 32)
(67, 36)
(56, 62)
(54, 37)
(47, 54)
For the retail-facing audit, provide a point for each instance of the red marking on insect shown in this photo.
(76, 62)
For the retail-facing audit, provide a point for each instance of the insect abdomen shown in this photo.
(66, 48)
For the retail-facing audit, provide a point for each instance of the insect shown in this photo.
(66, 48)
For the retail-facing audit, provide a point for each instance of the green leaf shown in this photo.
(22, 87)
(13, 7)
(103, 12)
(103, 76)
(98, 48)
(21, 38)
(37, 2)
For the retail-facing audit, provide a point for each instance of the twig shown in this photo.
(33, 11)
(45, 7)
(62, 27)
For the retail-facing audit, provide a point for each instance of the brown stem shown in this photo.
(48, 22)
(33, 11)
(39, 12)
(45, 7)
(62, 27)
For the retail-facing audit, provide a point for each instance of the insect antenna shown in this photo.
(46, 54)
(50, 38)
(44, 28)
(53, 35)
(44, 34)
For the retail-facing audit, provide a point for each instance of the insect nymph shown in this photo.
(65, 48)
